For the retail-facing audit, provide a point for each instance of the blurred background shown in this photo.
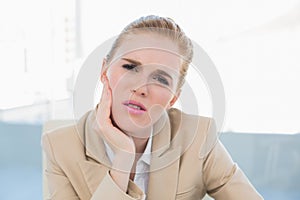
(255, 46)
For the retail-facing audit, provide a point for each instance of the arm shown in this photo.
(222, 177)
(59, 185)
(61, 188)
(122, 145)
(116, 183)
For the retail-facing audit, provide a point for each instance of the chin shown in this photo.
(135, 124)
(130, 126)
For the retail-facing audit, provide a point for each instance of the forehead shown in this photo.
(150, 49)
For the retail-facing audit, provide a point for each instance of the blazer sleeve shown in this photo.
(60, 187)
(223, 178)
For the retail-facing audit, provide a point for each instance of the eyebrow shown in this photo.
(132, 61)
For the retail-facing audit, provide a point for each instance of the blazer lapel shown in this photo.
(97, 164)
(165, 161)
(164, 174)
(93, 173)
(94, 144)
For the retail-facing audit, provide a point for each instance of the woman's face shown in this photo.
(143, 78)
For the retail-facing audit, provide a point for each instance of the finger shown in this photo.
(103, 89)
(104, 99)
(108, 100)
(104, 108)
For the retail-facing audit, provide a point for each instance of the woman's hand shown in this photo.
(119, 141)
(122, 145)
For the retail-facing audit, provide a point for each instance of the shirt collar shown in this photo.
(146, 157)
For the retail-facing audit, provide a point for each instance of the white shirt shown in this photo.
(142, 167)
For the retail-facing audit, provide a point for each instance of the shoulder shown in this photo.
(195, 132)
(189, 122)
(62, 143)
(61, 135)
(65, 141)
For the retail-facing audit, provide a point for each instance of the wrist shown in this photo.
(121, 179)
(123, 162)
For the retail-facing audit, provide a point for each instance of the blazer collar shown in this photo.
(94, 144)
(96, 165)
(164, 165)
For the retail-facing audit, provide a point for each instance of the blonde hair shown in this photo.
(160, 25)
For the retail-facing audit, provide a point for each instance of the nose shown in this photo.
(141, 91)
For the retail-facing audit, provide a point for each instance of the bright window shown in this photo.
(255, 46)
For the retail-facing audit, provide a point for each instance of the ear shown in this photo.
(173, 101)
(104, 70)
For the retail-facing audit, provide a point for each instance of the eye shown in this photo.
(131, 67)
(161, 79)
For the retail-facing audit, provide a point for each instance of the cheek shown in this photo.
(113, 80)
(160, 101)
(161, 96)
(119, 79)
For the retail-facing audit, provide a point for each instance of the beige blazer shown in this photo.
(188, 161)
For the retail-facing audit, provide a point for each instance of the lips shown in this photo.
(135, 105)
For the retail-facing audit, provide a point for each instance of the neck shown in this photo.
(140, 144)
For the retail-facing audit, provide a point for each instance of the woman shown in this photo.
(134, 145)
